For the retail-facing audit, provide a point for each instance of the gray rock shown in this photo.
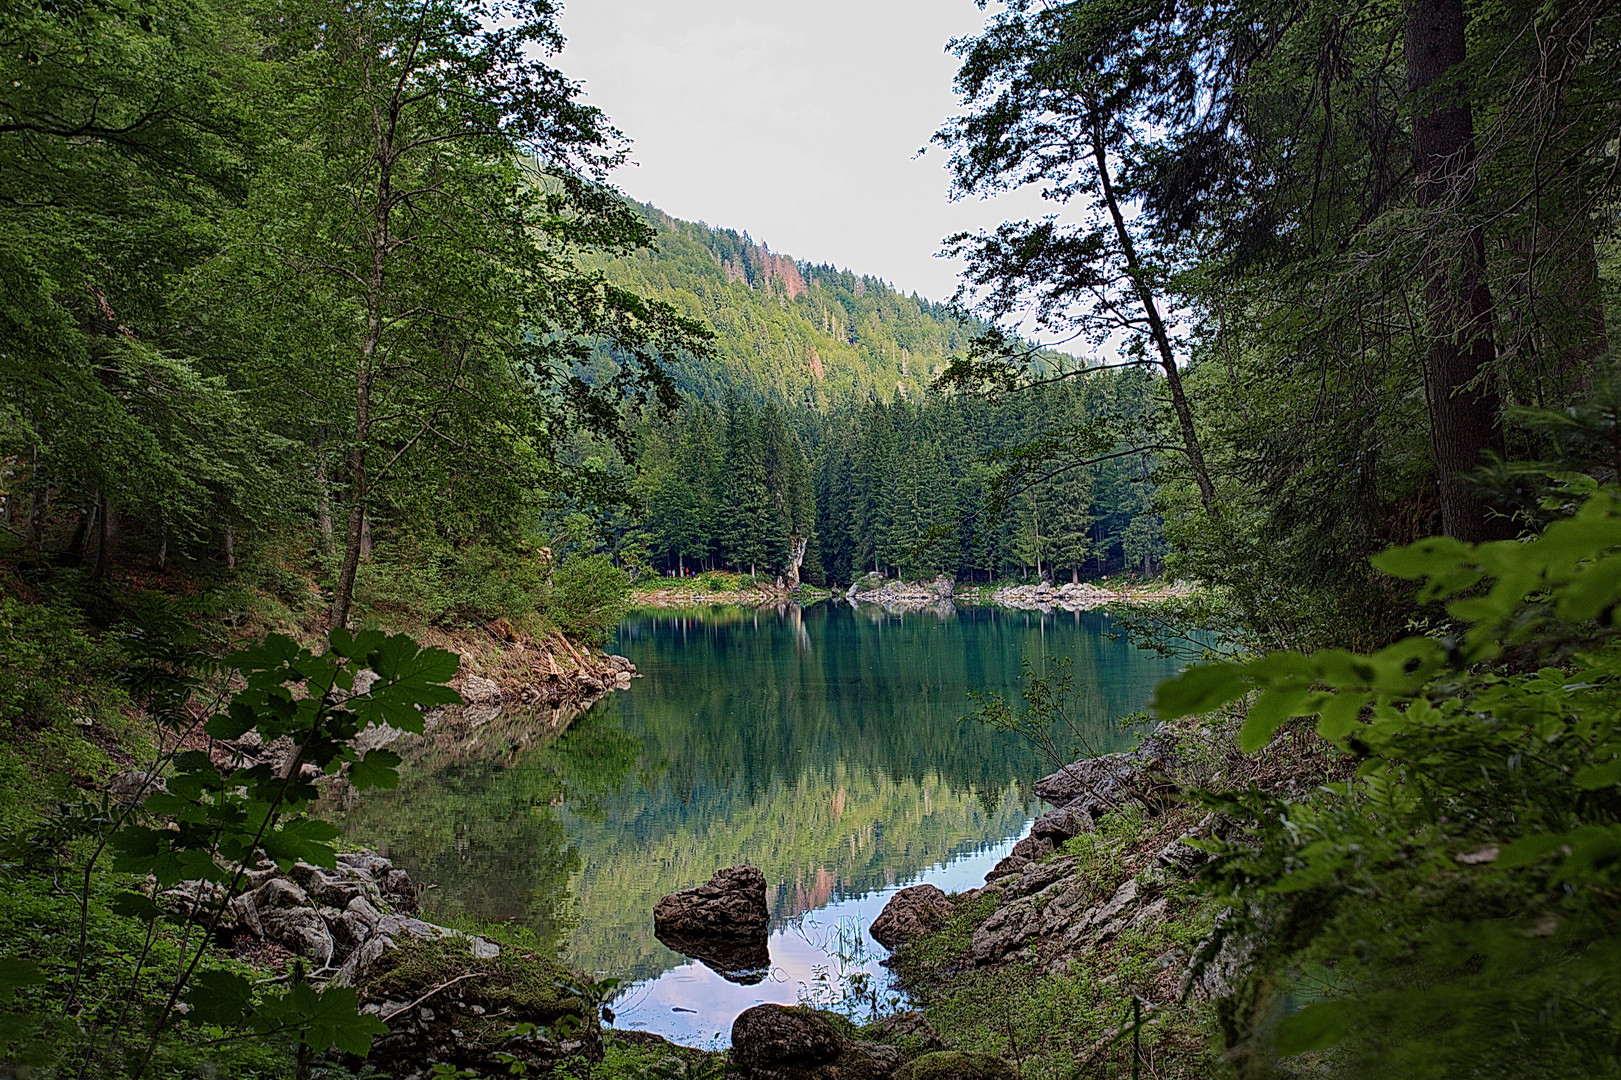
(779, 1038)
(1093, 785)
(1063, 824)
(1013, 864)
(1037, 876)
(1006, 929)
(911, 1025)
(910, 914)
(1062, 905)
(1123, 897)
(395, 931)
(132, 785)
(733, 901)
(1181, 857)
(477, 690)
(278, 893)
(1034, 848)
(302, 930)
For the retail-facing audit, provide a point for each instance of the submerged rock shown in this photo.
(740, 958)
(731, 902)
(909, 915)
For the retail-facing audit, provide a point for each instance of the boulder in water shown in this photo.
(909, 915)
(731, 902)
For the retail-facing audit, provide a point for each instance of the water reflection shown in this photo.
(824, 746)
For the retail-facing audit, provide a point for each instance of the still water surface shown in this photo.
(825, 746)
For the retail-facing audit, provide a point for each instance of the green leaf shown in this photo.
(1316, 1027)
(1528, 850)
(1199, 689)
(238, 719)
(219, 998)
(377, 769)
(16, 973)
(134, 905)
(1270, 711)
(1594, 588)
(1599, 776)
(1338, 715)
(1430, 557)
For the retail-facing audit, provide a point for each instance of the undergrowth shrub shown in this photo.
(589, 595)
(1451, 909)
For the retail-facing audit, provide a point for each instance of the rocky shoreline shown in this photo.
(942, 595)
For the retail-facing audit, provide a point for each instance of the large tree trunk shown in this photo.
(1464, 403)
(796, 558)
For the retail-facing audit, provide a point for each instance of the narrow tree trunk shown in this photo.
(106, 537)
(230, 547)
(1156, 324)
(343, 594)
(323, 495)
(1465, 407)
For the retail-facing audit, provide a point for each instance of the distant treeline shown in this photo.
(960, 485)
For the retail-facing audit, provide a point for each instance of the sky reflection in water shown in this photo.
(825, 746)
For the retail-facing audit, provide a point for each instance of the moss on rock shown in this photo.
(473, 1008)
(956, 1065)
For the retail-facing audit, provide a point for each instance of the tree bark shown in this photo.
(796, 558)
(354, 534)
(1156, 326)
(1464, 403)
(106, 538)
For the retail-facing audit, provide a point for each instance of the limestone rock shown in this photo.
(1006, 930)
(910, 1027)
(1037, 876)
(1013, 864)
(1034, 848)
(779, 1042)
(301, 929)
(395, 931)
(132, 785)
(1062, 824)
(477, 690)
(910, 914)
(731, 902)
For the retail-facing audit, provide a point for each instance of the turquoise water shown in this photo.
(826, 746)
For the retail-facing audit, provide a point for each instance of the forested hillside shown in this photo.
(815, 440)
(789, 332)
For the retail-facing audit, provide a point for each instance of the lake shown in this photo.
(825, 745)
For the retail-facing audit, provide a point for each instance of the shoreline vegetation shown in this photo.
(712, 589)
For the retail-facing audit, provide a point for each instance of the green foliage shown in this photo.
(211, 823)
(1460, 885)
(589, 596)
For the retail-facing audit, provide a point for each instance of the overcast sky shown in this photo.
(797, 122)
